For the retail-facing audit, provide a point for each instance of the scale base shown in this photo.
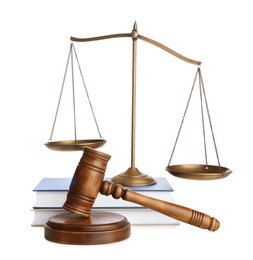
(99, 228)
(133, 177)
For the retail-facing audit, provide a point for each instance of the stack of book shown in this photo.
(51, 193)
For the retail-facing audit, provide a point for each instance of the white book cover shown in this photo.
(52, 193)
(135, 216)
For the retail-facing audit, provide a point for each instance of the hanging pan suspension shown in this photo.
(70, 145)
(198, 171)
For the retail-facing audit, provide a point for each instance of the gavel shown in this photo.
(88, 181)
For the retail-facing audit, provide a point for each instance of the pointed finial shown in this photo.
(135, 32)
(135, 26)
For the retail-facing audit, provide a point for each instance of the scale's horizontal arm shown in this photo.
(158, 44)
(134, 35)
(119, 35)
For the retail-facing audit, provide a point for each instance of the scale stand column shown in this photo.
(132, 176)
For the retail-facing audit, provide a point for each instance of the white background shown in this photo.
(34, 45)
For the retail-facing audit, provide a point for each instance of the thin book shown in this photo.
(52, 193)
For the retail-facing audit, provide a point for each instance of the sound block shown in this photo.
(99, 228)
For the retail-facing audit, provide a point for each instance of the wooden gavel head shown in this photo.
(86, 182)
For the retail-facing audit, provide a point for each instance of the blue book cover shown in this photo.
(62, 184)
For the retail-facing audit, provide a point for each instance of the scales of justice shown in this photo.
(80, 225)
(132, 176)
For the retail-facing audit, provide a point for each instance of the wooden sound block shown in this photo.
(99, 228)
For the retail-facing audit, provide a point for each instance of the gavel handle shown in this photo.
(175, 211)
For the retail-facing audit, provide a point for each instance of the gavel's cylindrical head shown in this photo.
(86, 182)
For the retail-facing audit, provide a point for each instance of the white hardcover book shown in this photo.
(52, 193)
(136, 216)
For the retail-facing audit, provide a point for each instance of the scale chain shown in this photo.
(209, 117)
(202, 117)
(187, 105)
(92, 110)
(59, 100)
(202, 90)
(73, 90)
(70, 56)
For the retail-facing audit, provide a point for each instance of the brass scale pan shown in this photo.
(198, 171)
(187, 171)
(74, 145)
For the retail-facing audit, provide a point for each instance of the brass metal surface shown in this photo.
(172, 52)
(198, 171)
(134, 35)
(97, 38)
(133, 177)
(75, 145)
